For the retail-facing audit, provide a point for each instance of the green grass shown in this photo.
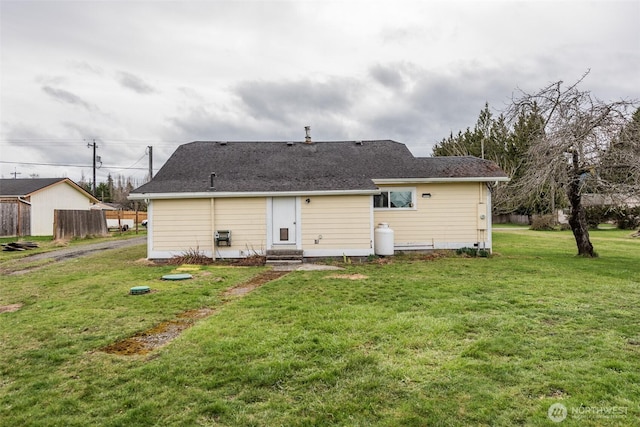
(448, 341)
(47, 244)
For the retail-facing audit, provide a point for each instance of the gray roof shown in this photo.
(288, 166)
(24, 186)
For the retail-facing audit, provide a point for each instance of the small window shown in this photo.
(394, 199)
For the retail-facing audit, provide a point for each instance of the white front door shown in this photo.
(284, 220)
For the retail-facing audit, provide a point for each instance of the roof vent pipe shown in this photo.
(307, 137)
(213, 175)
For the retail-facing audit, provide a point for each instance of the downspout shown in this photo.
(489, 219)
(213, 230)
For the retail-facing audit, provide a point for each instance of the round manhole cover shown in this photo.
(181, 276)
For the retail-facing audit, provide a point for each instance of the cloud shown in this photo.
(388, 76)
(135, 83)
(65, 96)
(85, 67)
(281, 101)
(350, 70)
(199, 123)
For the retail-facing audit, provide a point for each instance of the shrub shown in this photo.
(543, 223)
(627, 218)
(191, 256)
(597, 215)
(473, 252)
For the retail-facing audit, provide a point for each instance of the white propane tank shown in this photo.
(383, 239)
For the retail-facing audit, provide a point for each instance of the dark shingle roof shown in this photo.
(321, 166)
(25, 186)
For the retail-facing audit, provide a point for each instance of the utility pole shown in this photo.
(95, 146)
(150, 152)
(15, 173)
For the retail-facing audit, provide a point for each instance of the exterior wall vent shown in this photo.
(289, 143)
(223, 142)
(358, 142)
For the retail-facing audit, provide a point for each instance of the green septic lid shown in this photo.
(180, 276)
(136, 290)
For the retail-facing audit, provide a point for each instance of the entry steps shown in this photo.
(284, 256)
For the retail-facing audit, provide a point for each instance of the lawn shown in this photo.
(46, 243)
(414, 341)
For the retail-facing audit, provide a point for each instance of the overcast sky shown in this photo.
(132, 74)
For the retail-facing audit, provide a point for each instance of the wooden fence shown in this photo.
(511, 218)
(68, 224)
(136, 216)
(15, 218)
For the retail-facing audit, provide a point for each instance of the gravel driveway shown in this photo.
(79, 251)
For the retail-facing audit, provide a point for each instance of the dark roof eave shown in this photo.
(231, 194)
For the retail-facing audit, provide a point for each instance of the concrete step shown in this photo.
(284, 256)
(283, 261)
(284, 252)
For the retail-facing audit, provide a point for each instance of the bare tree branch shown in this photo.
(576, 152)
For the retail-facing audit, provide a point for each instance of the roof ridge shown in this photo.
(284, 141)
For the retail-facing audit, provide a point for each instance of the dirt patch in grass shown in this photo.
(254, 282)
(147, 341)
(10, 308)
(144, 342)
(555, 394)
(355, 276)
(147, 262)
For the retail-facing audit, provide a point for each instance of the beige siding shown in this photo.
(44, 202)
(344, 222)
(449, 215)
(329, 225)
(182, 225)
(247, 220)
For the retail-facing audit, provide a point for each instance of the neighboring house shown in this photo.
(322, 198)
(40, 197)
(104, 206)
(617, 199)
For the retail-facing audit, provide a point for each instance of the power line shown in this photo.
(68, 142)
(132, 166)
(69, 165)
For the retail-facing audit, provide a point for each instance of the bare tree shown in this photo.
(569, 155)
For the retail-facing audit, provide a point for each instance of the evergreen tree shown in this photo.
(494, 140)
(103, 193)
(618, 165)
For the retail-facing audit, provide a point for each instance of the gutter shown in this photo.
(385, 181)
(440, 180)
(229, 194)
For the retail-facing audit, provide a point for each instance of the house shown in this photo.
(234, 199)
(27, 205)
(616, 199)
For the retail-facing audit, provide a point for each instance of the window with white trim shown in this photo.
(397, 198)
